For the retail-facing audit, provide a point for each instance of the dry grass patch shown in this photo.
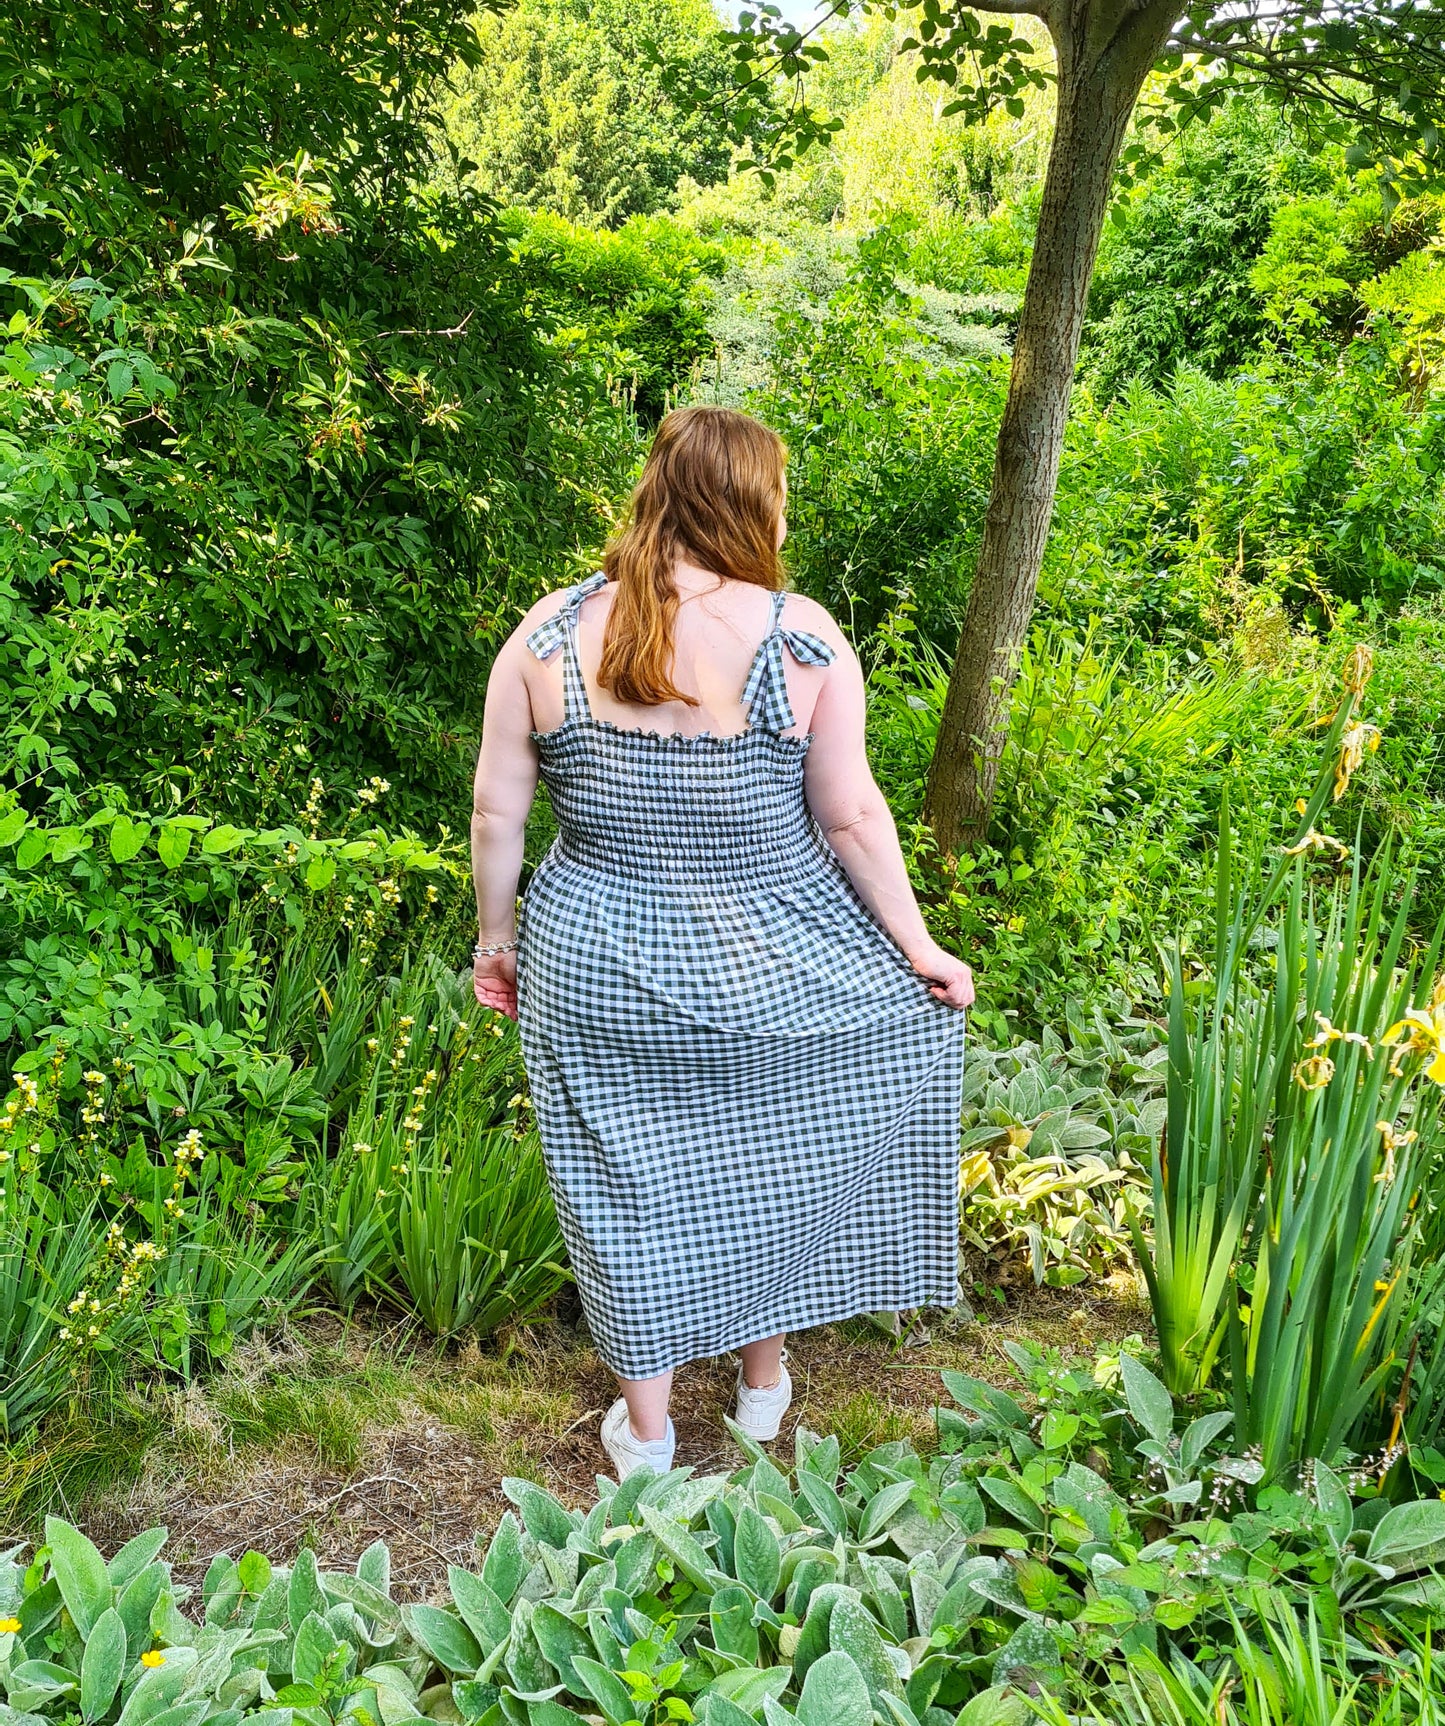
(331, 1434)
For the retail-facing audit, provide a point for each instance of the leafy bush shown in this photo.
(563, 108)
(634, 301)
(1057, 1137)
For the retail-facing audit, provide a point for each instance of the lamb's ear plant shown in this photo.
(1285, 1181)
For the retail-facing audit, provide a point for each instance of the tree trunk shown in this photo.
(1104, 52)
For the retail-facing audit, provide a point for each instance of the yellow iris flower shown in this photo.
(1421, 1032)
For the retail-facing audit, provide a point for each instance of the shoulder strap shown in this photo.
(560, 630)
(765, 695)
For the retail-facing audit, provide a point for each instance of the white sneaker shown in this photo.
(760, 1412)
(628, 1452)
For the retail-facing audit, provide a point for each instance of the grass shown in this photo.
(330, 1433)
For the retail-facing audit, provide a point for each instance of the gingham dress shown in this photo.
(748, 1101)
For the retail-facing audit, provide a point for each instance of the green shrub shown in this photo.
(1057, 1137)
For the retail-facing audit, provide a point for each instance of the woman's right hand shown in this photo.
(951, 979)
(494, 982)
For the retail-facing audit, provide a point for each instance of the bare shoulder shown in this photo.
(542, 611)
(801, 612)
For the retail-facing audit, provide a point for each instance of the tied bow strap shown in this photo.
(765, 694)
(547, 637)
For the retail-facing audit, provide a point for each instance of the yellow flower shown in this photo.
(1317, 841)
(153, 1658)
(1314, 1073)
(1359, 668)
(1356, 740)
(1327, 1034)
(1421, 1032)
(8, 1626)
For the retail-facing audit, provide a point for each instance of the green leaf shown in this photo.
(254, 1570)
(544, 1517)
(835, 1694)
(1409, 1536)
(304, 1593)
(483, 1613)
(12, 825)
(1150, 1404)
(851, 1631)
(34, 846)
(1060, 1426)
(998, 1706)
(679, 1545)
(748, 1685)
(374, 1566)
(882, 1508)
(606, 1689)
(135, 1555)
(84, 1581)
(444, 1637)
(173, 844)
(560, 1640)
(505, 1566)
(102, 1666)
(733, 1630)
(221, 839)
(127, 837)
(315, 1644)
(757, 1557)
(320, 871)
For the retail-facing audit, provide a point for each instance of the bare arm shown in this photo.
(502, 795)
(849, 807)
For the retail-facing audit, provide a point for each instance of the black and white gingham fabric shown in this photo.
(748, 1100)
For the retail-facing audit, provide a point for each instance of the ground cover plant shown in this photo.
(900, 1590)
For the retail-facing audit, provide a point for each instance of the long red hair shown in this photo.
(711, 492)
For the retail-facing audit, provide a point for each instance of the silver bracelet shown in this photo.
(481, 952)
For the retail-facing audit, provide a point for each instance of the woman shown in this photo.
(744, 1050)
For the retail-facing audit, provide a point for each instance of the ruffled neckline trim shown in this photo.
(688, 742)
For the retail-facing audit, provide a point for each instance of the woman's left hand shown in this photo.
(494, 982)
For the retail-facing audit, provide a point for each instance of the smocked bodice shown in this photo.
(679, 809)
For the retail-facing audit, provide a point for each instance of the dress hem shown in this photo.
(810, 1319)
